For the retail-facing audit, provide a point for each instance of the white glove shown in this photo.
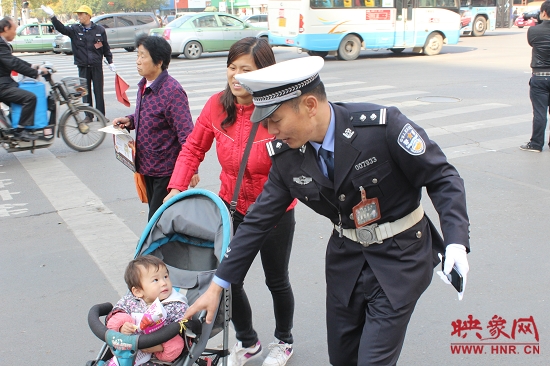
(112, 67)
(455, 255)
(47, 10)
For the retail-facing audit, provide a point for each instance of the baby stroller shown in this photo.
(190, 233)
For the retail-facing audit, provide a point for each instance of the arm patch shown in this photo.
(368, 118)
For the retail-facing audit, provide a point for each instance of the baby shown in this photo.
(147, 279)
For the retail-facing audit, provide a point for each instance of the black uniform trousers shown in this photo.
(368, 331)
(13, 94)
(93, 74)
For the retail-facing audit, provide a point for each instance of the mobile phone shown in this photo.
(454, 277)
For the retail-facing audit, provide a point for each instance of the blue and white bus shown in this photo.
(477, 16)
(344, 27)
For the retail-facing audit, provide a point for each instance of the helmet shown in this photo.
(84, 9)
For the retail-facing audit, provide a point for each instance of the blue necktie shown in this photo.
(329, 162)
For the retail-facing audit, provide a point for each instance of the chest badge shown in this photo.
(348, 133)
(303, 180)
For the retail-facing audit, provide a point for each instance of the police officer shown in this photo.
(89, 43)
(362, 166)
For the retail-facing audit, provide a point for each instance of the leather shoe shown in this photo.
(24, 135)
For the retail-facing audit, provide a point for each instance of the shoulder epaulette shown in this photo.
(276, 146)
(368, 118)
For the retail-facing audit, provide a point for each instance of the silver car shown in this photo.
(257, 20)
(194, 34)
(121, 30)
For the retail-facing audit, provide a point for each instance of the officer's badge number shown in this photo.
(411, 141)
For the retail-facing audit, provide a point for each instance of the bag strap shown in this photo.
(233, 204)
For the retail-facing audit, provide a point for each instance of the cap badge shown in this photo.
(303, 180)
(348, 133)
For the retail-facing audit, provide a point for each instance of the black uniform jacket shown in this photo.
(538, 37)
(89, 46)
(368, 154)
(9, 62)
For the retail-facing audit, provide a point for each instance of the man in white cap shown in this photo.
(362, 166)
(89, 43)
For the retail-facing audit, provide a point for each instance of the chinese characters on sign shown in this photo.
(496, 337)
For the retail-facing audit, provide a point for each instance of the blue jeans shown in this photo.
(275, 255)
(540, 98)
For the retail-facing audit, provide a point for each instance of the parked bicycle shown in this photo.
(78, 125)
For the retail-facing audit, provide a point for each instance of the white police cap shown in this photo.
(275, 84)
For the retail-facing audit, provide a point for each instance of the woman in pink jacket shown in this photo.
(226, 118)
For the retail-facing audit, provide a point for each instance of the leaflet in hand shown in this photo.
(152, 320)
(125, 146)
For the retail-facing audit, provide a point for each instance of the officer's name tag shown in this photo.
(367, 211)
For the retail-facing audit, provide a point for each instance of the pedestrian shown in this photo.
(9, 88)
(162, 118)
(343, 160)
(90, 45)
(538, 38)
(226, 118)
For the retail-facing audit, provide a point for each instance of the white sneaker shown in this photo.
(239, 355)
(279, 355)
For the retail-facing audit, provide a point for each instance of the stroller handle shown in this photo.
(144, 341)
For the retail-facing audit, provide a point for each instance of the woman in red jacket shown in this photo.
(226, 118)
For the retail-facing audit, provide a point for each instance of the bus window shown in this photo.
(315, 4)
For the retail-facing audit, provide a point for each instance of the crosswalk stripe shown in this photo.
(472, 126)
(373, 97)
(345, 83)
(366, 88)
(476, 148)
(94, 225)
(458, 110)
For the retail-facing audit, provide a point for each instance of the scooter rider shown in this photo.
(9, 89)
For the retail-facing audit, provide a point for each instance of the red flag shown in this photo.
(121, 86)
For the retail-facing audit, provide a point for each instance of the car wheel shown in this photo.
(192, 50)
(322, 54)
(479, 27)
(433, 45)
(130, 49)
(349, 48)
